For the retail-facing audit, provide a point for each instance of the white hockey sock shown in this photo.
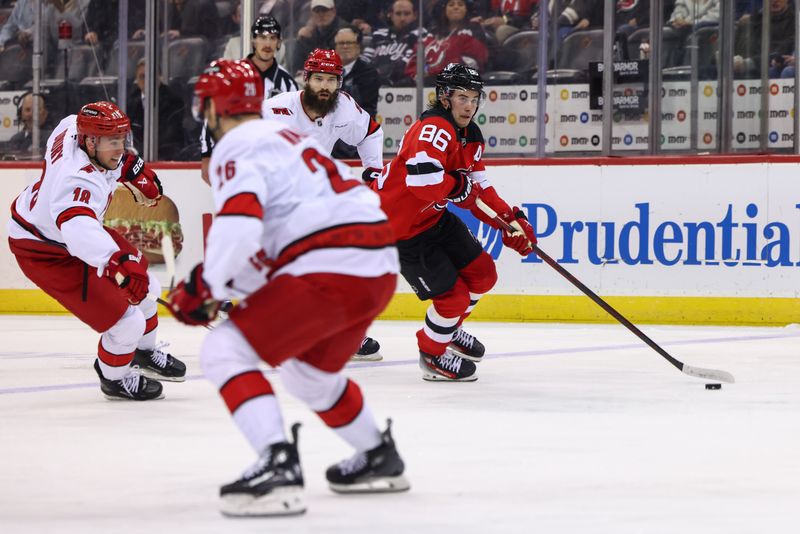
(362, 433)
(260, 421)
(150, 311)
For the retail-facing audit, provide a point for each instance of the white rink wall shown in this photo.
(705, 231)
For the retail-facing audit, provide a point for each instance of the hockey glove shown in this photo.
(465, 192)
(191, 301)
(130, 273)
(524, 238)
(370, 174)
(143, 183)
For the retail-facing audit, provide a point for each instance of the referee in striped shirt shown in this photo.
(266, 34)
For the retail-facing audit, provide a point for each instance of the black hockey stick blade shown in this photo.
(166, 305)
(698, 372)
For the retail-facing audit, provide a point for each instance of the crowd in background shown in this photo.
(377, 40)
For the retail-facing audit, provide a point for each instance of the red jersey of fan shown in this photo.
(414, 185)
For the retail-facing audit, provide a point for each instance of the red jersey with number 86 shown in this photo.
(413, 186)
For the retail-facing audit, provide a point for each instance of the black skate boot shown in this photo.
(273, 486)
(132, 386)
(159, 364)
(467, 346)
(369, 351)
(449, 367)
(378, 470)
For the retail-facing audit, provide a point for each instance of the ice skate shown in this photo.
(159, 364)
(132, 386)
(273, 486)
(467, 346)
(449, 367)
(368, 352)
(378, 470)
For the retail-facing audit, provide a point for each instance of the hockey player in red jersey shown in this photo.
(439, 162)
(61, 245)
(324, 112)
(310, 253)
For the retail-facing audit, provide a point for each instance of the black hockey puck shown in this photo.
(713, 386)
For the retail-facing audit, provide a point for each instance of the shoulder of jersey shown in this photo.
(474, 133)
(282, 104)
(380, 32)
(441, 122)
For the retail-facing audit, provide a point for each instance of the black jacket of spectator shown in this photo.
(633, 9)
(197, 18)
(362, 83)
(389, 54)
(366, 10)
(320, 38)
(21, 142)
(781, 35)
(170, 114)
(102, 17)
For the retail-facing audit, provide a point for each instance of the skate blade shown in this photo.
(430, 377)
(374, 357)
(457, 352)
(376, 485)
(279, 502)
(115, 398)
(152, 375)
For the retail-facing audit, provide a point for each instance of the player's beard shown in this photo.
(318, 105)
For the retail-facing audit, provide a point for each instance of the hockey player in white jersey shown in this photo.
(321, 110)
(310, 253)
(59, 241)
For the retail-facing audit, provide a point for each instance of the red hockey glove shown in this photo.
(143, 183)
(466, 192)
(524, 238)
(191, 301)
(370, 174)
(130, 273)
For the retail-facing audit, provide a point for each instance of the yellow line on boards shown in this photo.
(543, 308)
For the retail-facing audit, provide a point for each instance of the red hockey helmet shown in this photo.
(102, 118)
(321, 60)
(234, 86)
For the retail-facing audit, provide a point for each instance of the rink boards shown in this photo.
(666, 241)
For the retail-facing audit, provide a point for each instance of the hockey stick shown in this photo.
(699, 372)
(168, 252)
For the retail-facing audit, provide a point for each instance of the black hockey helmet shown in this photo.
(266, 24)
(457, 76)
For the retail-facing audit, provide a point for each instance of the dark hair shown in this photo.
(439, 24)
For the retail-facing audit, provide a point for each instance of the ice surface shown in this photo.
(570, 428)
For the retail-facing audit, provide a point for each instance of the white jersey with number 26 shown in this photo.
(284, 206)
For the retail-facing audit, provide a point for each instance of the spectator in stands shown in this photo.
(360, 79)
(576, 15)
(507, 17)
(233, 46)
(290, 14)
(102, 18)
(689, 14)
(22, 141)
(57, 12)
(747, 58)
(170, 113)
(231, 23)
(193, 18)
(453, 39)
(19, 26)
(363, 14)
(320, 31)
(391, 47)
(632, 15)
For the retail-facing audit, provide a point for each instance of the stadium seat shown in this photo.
(94, 88)
(502, 77)
(186, 58)
(573, 57)
(520, 52)
(135, 53)
(671, 46)
(81, 62)
(16, 65)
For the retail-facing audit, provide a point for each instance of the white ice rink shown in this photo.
(570, 428)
